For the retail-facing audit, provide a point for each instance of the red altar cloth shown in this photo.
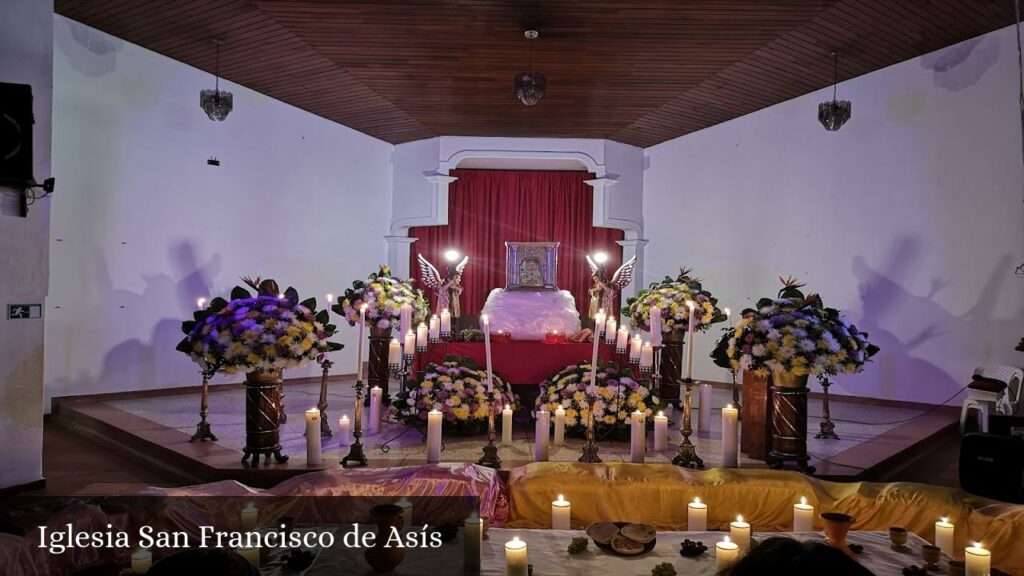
(525, 362)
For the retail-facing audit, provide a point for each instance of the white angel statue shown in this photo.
(603, 292)
(449, 288)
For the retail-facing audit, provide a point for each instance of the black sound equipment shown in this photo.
(16, 122)
(993, 466)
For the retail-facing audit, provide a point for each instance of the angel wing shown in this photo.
(462, 265)
(593, 265)
(428, 274)
(624, 275)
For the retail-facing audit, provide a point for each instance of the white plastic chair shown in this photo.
(985, 402)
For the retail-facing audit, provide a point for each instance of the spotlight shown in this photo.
(600, 257)
(451, 255)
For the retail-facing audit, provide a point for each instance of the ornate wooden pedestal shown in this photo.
(671, 367)
(789, 423)
(377, 371)
(755, 441)
(262, 417)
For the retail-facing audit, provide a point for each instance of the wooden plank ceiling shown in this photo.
(636, 71)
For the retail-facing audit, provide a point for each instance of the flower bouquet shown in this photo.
(265, 332)
(615, 397)
(794, 334)
(457, 388)
(670, 296)
(383, 295)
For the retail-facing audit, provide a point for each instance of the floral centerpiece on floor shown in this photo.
(457, 387)
(615, 397)
(265, 332)
(670, 296)
(383, 295)
(794, 334)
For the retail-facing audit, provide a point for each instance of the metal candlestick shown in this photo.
(827, 427)
(356, 457)
(203, 431)
(490, 457)
(589, 455)
(325, 427)
(736, 394)
(686, 456)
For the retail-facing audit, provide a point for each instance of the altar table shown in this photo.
(524, 362)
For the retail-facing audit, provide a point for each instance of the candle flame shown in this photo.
(696, 500)
(561, 498)
(739, 518)
(803, 501)
(661, 414)
(507, 407)
(484, 318)
(200, 302)
(691, 304)
(977, 544)
(727, 312)
(726, 540)
(280, 296)
(728, 406)
(945, 519)
(515, 539)
(362, 307)
(330, 297)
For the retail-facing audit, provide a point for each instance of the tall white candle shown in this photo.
(697, 516)
(637, 437)
(634, 348)
(655, 322)
(730, 436)
(506, 426)
(474, 543)
(660, 431)
(485, 323)
(313, 437)
(404, 318)
(516, 563)
(394, 352)
(359, 352)
(433, 436)
(543, 427)
(561, 514)
(446, 321)
(559, 426)
(704, 412)
(373, 426)
(434, 330)
(410, 343)
(622, 339)
(944, 533)
(611, 329)
(978, 560)
(249, 517)
(647, 356)
(689, 340)
(142, 560)
(803, 516)
(421, 336)
(250, 553)
(726, 554)
(344, 430)
(740, 532)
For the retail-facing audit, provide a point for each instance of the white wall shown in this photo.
(26, 56)
(910, 218)
(143, 225)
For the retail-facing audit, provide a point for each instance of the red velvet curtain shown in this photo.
(486, 208)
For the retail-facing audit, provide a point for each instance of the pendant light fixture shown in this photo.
(530, 86)
(216, 103)
(834, 114)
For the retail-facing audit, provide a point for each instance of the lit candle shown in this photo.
(142, 560)
(516, 558)
(313, 437)
(803, 516)
(410, 343)
(433, 436)
(404, 318)
(200, 303)
(474, 543)
(359, 353)
(622, 339)
(599, 323)
(561, 514)
(637, 437)
(485, 322)
(944, 531)
(655, 322)
(730, 436)
(611, 329)
(690, 328)
(250, 515)
(421, 336)
(697, 516)
(978, 560)
(704, 412)
(726, 554)
(252, 554)
(373, 426)
(559, 426)
(740, 532)
(660, 431)
(344, 430)
(647, 356)
(330, 300)
(506, 426)
(542, 430)
(434, 330)
(446, 321)
(635, 345)
(394, 352)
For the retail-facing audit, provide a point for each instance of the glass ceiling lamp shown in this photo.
(530, 86)
(216, 103)
(834, 114)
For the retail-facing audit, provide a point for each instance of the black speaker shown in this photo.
(16, 122)
(993, 466)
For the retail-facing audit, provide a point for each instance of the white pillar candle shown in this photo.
(599, 323)
(142, 560)
(655, 322)
(637, 437)
(344, 430)
(485, 323)
(446, 321)
(697, 516)
(506, 426)
(634, 348)
(249, 517)
(410, 343)
(977, 560)
(803, 516)
(394, 352)
(689, 340)
(611, 329)
(559, 426)
(373, 426)
(516, 563)
(740, 532)
(726, 554)
(421, 336)
(434, 330)
(404, 318)
(313, 437)
(730, 436)
(359, 352)
(252, 554)
(660, 431)
(704, 414)
(622, 339)
(433, 436)
(561, 514)
(944, 531)
(474, 543)
(542, 432)
(647, 356)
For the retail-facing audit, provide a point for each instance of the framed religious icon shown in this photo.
(531, 265)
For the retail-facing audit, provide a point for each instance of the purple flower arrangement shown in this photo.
(457, 388)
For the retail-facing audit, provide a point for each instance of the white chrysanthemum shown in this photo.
(757, 350)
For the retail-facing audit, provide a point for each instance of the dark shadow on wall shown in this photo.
(962, 65)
